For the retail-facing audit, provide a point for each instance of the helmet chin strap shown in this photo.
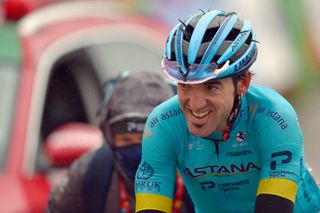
(234, 111)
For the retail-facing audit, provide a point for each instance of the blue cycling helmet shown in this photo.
(209, 45)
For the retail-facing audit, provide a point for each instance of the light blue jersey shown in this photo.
(265, 148)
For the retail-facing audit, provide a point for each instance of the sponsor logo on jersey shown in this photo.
(278, 160)
(222, 170)
(306, 195)
(241, 136)
(282, 157)
(206, 185)
(232, 186)
(239, 153)
(197, 145)
(143, 182)
(281, 174)
(275, 116)
(164, 116)
(145, 171)
(171, 114)
(153, 121)
(225, 186)
(241, 139)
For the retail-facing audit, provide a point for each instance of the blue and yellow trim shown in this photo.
(278, 186)
(146, 201)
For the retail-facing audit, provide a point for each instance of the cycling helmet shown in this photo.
(209, 45)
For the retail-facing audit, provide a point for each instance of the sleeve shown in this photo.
(66, 196)
(155, 177)
(280, 146)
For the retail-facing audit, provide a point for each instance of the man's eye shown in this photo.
(212, 88)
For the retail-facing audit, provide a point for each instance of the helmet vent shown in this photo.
(209, 34)
(189, 30)
(249, 39)
(232, 35)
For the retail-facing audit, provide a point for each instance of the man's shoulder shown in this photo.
(167, 110)
(268, 98)
(268, 107)
(169, 113)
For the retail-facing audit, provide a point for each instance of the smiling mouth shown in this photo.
(200, 115)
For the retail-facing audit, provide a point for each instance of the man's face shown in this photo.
(127, 139)
(207, 106)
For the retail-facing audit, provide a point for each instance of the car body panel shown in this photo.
(37, 47)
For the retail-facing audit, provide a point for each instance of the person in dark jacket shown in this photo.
(123, 113)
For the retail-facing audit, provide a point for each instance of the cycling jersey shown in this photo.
(265, 149)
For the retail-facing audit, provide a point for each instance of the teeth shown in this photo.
(200, 114)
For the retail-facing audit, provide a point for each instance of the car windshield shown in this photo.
(8, 81)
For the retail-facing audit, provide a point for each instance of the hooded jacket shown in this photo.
(131, 96)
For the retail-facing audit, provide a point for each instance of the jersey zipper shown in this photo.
(216, 143)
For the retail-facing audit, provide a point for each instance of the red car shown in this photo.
(52, 64)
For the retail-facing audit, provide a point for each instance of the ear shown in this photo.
(244, 83)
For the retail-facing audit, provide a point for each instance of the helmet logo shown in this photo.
(236, 42)
(245, 60)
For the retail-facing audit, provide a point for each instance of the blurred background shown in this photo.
(55, 54)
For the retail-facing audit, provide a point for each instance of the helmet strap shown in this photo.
(234, 111)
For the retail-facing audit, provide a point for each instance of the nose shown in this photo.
(197, 101)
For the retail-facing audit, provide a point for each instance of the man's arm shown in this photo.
(276, 195)
(155, 177)
(279, 143)
(148, 202)
(266, 203)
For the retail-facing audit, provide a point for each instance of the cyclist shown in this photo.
(238, 147)
(123, 113)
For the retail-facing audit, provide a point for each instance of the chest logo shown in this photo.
(241, 136)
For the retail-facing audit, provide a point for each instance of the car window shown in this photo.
(70, 96)
(63, 101)
(8, 81)
(66, 98)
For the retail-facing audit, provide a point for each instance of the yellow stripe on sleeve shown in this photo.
(146, 201)
(278, 186)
